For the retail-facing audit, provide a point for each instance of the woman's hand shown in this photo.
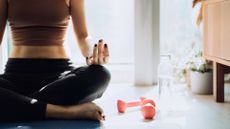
(100, 54)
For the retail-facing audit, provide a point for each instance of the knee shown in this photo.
(96, 76)
(100, 78)
(100, 73)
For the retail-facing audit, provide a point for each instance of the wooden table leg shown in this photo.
(218, 81)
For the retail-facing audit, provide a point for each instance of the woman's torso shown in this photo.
(38, 52)
(27, 49)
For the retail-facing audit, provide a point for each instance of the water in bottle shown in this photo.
(165, 78)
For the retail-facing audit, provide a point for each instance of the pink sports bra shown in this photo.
(38, 22)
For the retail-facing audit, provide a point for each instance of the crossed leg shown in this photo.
(81, 85)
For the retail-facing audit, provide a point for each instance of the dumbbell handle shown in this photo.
(134, 104)
(140, 103)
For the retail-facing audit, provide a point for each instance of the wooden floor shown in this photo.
(187, 111)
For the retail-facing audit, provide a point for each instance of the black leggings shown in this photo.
(28, 85)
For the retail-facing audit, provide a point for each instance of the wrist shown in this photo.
(85, 50)
(86, 47)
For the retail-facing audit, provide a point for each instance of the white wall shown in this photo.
(147, 41)
(112, 20)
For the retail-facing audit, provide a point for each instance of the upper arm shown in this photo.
(78, 18)
(3, 17)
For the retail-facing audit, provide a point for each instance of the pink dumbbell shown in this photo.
(148, 111)
(147, 107)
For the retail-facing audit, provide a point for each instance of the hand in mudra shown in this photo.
(100, 54)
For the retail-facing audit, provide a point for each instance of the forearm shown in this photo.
(79, 25)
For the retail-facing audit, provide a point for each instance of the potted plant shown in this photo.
(200, 73)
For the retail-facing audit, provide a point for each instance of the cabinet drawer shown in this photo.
(212, 29)
(217, 29)
(225, 30)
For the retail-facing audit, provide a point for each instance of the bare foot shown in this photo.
(82, 111)
(86, 111)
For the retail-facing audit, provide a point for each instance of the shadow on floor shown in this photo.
(53, 124)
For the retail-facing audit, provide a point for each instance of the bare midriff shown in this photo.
(49, 51)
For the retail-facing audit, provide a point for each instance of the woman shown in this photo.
(39, 82)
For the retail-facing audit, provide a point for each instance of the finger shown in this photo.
(89, 60)
(95, 55)
(106, 53)
(106, 59)
(100, 51)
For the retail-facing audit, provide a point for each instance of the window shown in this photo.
(179, 32)
(112, 20)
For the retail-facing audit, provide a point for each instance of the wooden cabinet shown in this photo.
(225, 30)
(217, 41)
